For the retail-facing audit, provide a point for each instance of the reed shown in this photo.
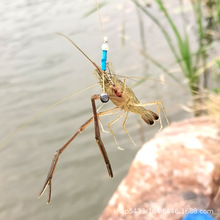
(189, 61)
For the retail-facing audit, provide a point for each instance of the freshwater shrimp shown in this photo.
(124, 100)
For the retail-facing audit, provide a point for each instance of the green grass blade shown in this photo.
(163, 30)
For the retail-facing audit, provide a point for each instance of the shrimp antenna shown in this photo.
(5, 140)
(93, 63)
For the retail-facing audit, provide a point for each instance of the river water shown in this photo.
(37, 69)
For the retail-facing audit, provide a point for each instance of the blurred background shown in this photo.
(39, 68)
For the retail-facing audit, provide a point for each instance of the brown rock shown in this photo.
(174, 173)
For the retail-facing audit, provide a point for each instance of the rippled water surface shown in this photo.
(38, 68)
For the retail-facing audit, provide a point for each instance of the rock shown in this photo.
(175, 173)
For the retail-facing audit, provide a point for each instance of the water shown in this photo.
(39, 68)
